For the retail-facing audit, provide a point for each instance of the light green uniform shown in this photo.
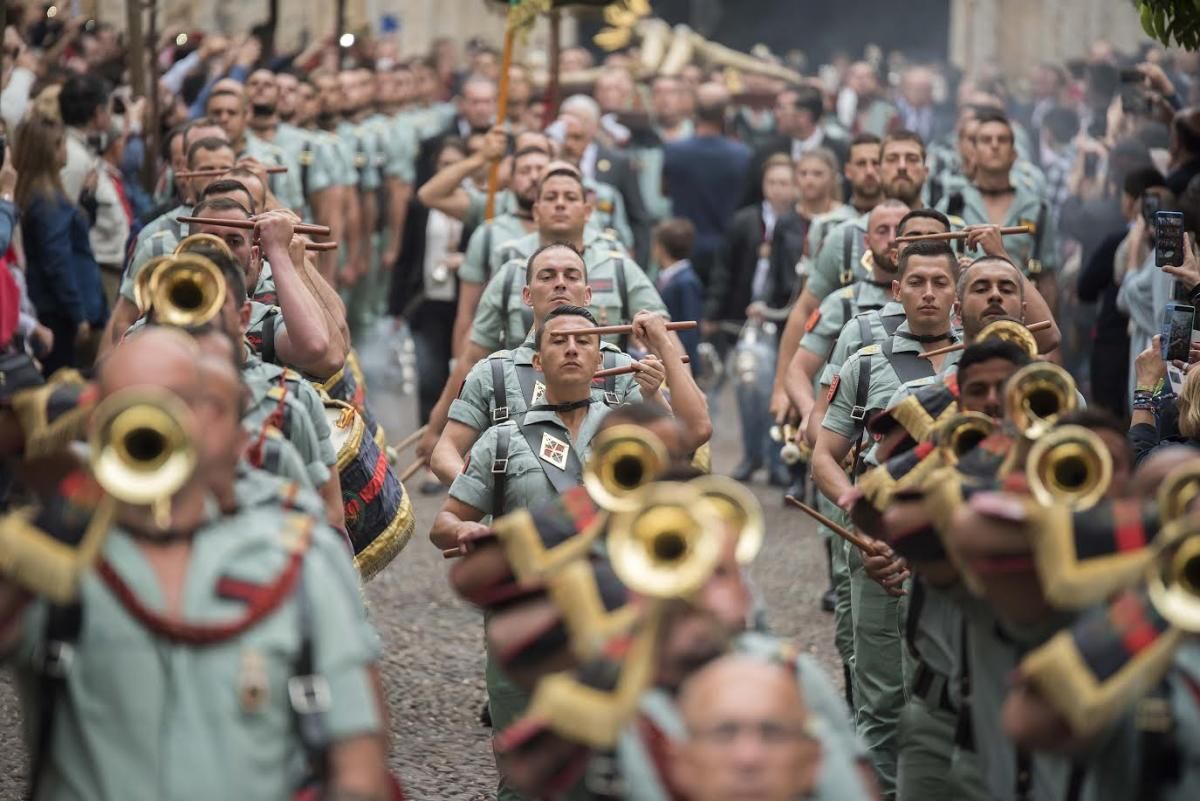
(285, 186)
(835, 266)
(1027, 208)
(306, 426)
(475, 405)
(160, 237)
(320, 163)
(818, 231)
(838, 777)
(836, 310)
(850, 340)
(143, 718)
(503, 319)
(608, 210)
(878, 672)
(488, 249)
(526, 486)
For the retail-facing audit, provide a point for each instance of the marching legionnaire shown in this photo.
(925, 284)
(556, 277)
(245, 630)
(992, 198)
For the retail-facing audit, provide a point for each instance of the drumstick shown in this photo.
(330, 245)
(604, 330)
(248, 225)
(411, 439)
(849, 536)
(411, 470)
(627, 369)
(950, 236)
(452, 553)
(270, 169)
(1033, 328)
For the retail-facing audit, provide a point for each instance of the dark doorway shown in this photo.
(821, 28)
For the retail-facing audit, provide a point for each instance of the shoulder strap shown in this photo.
(306, 157)
(308, 690)
(847, 276)
(500, 471)
(859, 412)
(499, 391)
(623, 291)
(527, 378)
(891, 322)
(562, 480)
(847, 309)
(610, 381)
(908, 366)
(267, 347)
(956, 205)
(1034, 266)
(63, 625)
(508, 284)
(864, 330)
(488, 226)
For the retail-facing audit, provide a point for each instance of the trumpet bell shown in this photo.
(666, 546)
(198, 243)
(1010, 331)
(140, 451)
(1173, 583)
(187, 291)
(1069, 465)
(1037, 395)
(962, 433)
(144, 280)
(1179, 489)
(740, 510)
(624, 459)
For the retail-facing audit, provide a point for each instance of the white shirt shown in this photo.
(111, 231)
(667, 273)
(802, 146)
(442, 234)
(587, 164)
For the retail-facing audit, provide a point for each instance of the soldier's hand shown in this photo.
(273, 231)
(296, 249)
(651, 329)
(495, 144)
(467, 532)
(986, 237)
(649, 374)
(886, 568)
(781, 408)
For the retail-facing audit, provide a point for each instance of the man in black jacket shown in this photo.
(798, 128)
(476, 114)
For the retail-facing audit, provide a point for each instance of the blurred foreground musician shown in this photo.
(265, 660)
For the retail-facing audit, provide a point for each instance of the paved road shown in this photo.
(433, 645)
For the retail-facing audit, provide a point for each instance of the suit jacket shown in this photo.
(427, 153)
(615, 169)
(683, 295)
(730, 288)
(783, 144)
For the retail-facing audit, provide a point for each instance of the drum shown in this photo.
(349, 386)
(379, 515)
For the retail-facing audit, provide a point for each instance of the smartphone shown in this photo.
(1168, 238)
(1177, 332)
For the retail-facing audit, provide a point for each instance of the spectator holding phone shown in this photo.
(1160, 419)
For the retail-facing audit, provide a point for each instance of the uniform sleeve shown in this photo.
(489, 325)
(474, 485)
(321, 429)
(821, 338)
(400, 146)
(824, 277)
(314, 453)
(847, 343)
(156, 245)
(837, 418)
(620, 221)
(472, 407)
(642, 294)
(345, 646)
(323, 172)
(474, 266)
(628, 390)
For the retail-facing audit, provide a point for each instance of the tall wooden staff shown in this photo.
(551, 99)
(510, 32)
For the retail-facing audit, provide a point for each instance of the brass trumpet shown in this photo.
(140, 452)
(1173, 582)
(666, 546)
(1179, 489)
(962, 433)
(1069, 465)
(738, 507)
(624, 459)
(187, 291)
(1010, 331)
(198, 243)
(1037, 395)
(142, 283)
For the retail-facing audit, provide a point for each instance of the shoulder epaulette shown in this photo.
(869, 350)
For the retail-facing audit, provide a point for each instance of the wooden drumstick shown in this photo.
(411, 470)
(270, 169)
(248, 225)
(411, 439)
(849, 536)
(330, 245)
(627, 369)
(929, 354)
(605, 330)
(950, 236)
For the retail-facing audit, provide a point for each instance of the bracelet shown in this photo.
(1143, 400)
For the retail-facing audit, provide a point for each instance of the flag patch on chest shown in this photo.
(554, 451)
